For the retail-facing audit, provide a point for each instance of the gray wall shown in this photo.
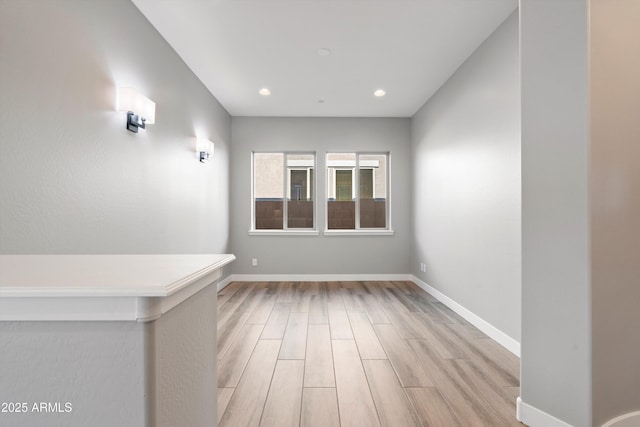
(466, 192)
(556, 344)
(615, 206)
(128, 374)
(97, 367)
(185, 360)
(72, 178)
(320, 254)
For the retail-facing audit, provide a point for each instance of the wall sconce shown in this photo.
(205, 148)
(141, 111)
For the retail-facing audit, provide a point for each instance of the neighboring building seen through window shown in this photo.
(280, 177)
(357, 196)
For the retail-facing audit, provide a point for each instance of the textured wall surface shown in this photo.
(97, 367)
(185, 363)
(320, 254)
(72, 178)
(161, 373)
(466, 191)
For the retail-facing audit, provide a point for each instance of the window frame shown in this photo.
(286, 177)
(358, 231)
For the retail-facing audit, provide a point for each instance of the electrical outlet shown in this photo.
(254, 262)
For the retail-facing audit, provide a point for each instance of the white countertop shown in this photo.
(114, 284)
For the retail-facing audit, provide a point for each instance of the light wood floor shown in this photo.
(356, 354)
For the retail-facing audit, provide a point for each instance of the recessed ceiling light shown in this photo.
(324, 51)
(379, 93)
(264, 91)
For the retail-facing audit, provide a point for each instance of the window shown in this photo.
(283, 191)
(357, 195)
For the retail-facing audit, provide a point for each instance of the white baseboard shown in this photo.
(533, 417)
(632, 419)
(225, 282)
(491, 331)
(317, 277)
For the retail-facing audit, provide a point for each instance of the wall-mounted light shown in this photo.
(204, 148)
(141, 111)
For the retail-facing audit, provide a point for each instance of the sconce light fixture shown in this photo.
(204, 148)
(141, 111)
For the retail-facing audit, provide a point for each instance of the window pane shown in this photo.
(300, 187)
(366, 183)
(373, 190)
(268, 176)
(344, 185)
(341, 205)
(298, 184)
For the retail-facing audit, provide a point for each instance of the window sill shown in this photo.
(289, 232)
(358, 232)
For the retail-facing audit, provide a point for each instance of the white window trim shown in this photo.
(360, 232)
(355, 165)
(295, 164)
(287, 232)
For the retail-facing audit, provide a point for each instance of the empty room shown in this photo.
(319, 213)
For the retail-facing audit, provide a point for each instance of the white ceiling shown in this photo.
(409, 48)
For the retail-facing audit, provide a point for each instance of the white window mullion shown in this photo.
(252, 226)
(287, 191)
(373, 183)
(354, 192)
(387, 200)
(356, 189)
(335, 184)
(308, 184)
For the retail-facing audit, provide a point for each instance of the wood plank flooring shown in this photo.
(359, 354)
